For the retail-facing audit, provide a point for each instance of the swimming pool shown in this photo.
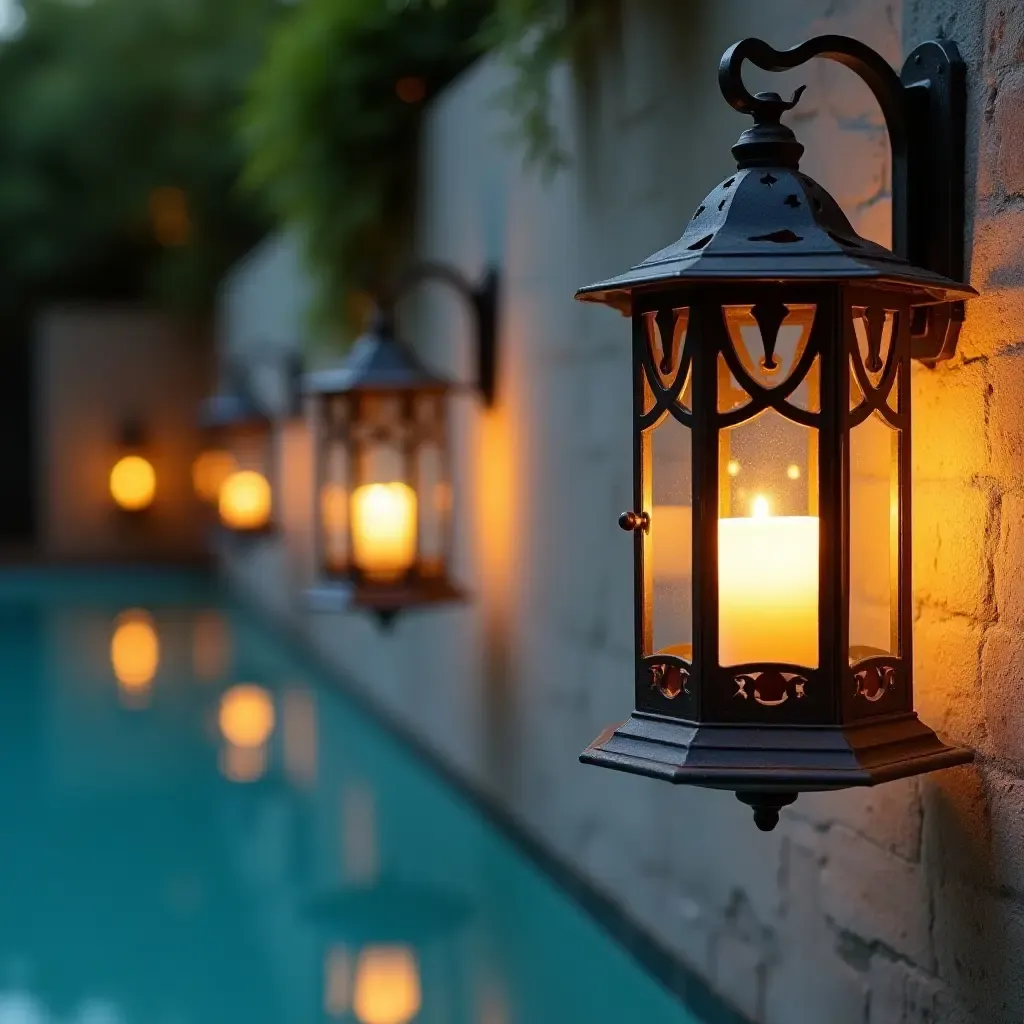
(200, 826)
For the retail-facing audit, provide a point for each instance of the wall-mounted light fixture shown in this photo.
(772, 481)
(132, 477)
(235, 471)
(383, 464)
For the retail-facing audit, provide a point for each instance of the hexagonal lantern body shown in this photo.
(234, 472)
(771, 517)
(383, 476)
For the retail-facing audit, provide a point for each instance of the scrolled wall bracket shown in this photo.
(924, 107)
(482, 299)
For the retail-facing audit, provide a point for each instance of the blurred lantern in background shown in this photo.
(234, 472)
(134, 656)
(132, 477)
(383, 460)
(246, 719)
(771, 522)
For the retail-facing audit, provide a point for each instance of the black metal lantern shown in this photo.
(383, 464)
(772, 479)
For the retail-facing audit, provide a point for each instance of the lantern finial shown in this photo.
(769, 143)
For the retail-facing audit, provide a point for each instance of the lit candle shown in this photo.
(768, 588)
(384, 530)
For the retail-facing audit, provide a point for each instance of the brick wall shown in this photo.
(899, 905)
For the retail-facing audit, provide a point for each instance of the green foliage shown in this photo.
(333, 142)
(536, 36)
(105, 102)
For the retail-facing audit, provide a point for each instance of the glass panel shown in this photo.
(768, 542)
(383, 506)
(670, 540)
(874, 539)
(769, 338)
(432, 484)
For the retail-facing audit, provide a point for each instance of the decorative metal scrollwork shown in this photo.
(770, 687)
(666, 360)
(769, 315)
(875, 377)
(670, 678)
(875, 681)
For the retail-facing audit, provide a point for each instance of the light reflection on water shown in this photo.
(244, 845)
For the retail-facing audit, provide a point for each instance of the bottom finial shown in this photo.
(766, 804)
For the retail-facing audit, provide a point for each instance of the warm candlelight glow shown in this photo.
(387, 985)
(384, 530)
(209, 472)
(244, 502)
(133, 483)
(134, 655)
(793, 472)
(768, 588)
(246, 717)
(733, 467)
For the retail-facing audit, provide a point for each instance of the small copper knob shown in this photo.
(630, 521)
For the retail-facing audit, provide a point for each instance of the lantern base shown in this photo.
(767, 766)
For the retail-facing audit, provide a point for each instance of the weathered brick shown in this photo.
(1006, 375)
(947, 690)
(1002, 668)
(1006, 812)
(949, 422)
(1008, 131)
(957, 827)
(876, 895)
(889, 816)
(1004, 37)
(1009, 580)
(951, 524)
(978, 939)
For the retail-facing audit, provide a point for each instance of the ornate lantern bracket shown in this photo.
(925, 111)
(482, 298)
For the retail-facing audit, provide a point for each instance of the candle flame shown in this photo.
(793, 472)
(762, 510)
(733, 467)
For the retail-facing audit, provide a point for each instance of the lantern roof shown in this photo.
(770, 222)
(230, 410)
(378, 361)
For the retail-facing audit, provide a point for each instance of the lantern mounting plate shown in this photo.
(925, 112)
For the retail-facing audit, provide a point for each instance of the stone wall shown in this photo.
(900, 904)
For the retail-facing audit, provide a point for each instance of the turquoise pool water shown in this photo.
(178, 850)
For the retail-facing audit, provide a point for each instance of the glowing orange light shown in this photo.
(387, 985)
(411, 89)
(244, 501)
(134, 655)
(209, 471)
(133, 483)
(168, 212)
(384, 529)
(246, 717)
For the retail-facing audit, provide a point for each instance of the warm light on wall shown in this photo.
(387, 985)
(209, 471)
(134, 655)
(245, 501)
(133, 483)
(384, 530)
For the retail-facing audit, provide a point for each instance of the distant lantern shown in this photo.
(771, 523)
(383, 463)
(132, 479)
(234, 471)
(246, 720)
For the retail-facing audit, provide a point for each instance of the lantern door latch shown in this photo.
(924, 107)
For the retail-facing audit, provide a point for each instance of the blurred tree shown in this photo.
(118, 152)
(332, 126)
